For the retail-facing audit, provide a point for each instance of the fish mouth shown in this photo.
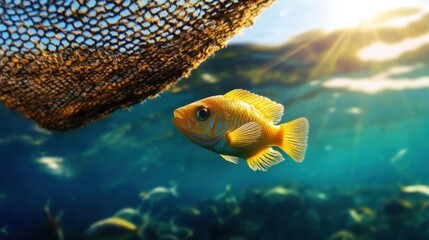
(179, 118)
(178, 114)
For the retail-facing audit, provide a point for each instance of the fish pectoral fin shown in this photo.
(244, 135)
(231, 159)
(264, 159)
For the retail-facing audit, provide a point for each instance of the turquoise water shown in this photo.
(107, 164)
(365, 143)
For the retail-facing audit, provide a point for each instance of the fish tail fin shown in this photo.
(294, 138)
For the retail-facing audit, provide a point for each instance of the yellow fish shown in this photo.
(241, 124)
(423, 189)
(112, 228)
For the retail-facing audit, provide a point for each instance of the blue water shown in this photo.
(362, 148)
(108, 163)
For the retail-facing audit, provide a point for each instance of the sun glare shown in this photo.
(385, 81)
(380, 51)
(353, 13)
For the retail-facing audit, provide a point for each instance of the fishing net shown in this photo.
(65, 63)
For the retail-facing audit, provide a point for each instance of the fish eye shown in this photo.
(202, 113)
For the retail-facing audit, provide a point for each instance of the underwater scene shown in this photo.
(357, 70)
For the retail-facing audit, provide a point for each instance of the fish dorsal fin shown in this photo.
(264, 159)
(244, 135)
(231, 159)
(271, 110)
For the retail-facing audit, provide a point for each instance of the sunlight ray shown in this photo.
(340, 45)
(271, 64)
(375, 33)
(358, 132)
(329, 57)
(352, 13)
(381, 51)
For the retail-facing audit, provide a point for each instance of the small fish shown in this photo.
(189, 210)
(4, 230)
(127, 211)
(343, 235)
(129, 214)
(159, 193)
(52, 224)
(279, 194)
(423, 189)
(280, 190)
(362, 214)
(112, 228)
(241, 124)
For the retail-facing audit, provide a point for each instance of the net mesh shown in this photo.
(65, 63)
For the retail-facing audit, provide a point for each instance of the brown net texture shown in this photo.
(66, 63)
